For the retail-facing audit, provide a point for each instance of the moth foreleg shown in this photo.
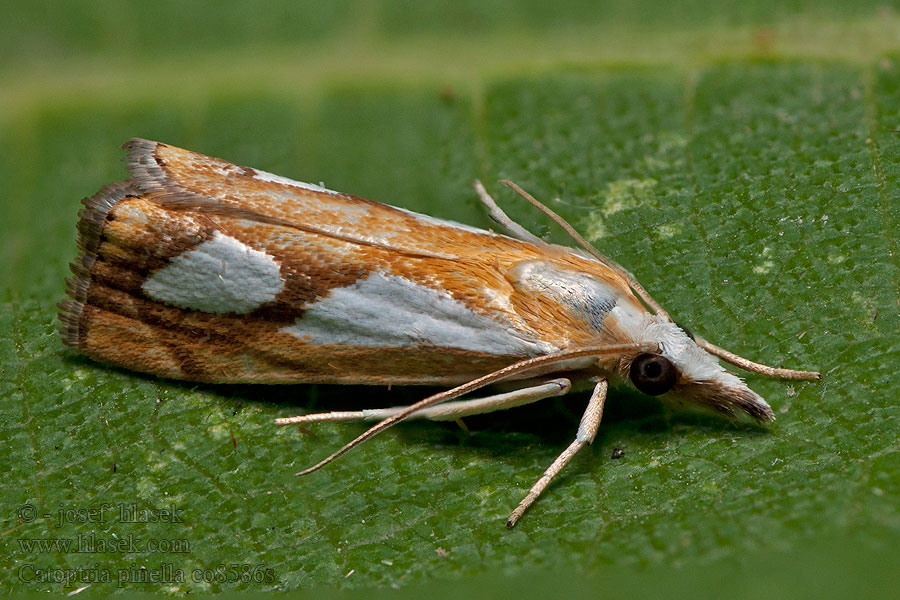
(587, 431)
(501, 218)
(755, 367)
(448, 411)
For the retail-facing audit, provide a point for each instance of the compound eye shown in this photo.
(653, 374)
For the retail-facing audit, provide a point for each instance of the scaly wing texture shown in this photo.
(200, 269)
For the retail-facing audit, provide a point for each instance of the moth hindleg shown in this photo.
(448, 411)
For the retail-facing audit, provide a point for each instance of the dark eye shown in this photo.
(653, 374)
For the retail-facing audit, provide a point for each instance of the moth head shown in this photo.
(682, 372)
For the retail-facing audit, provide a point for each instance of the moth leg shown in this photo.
(755, 367)
(587, 430)
(449, 411)
(501, 218)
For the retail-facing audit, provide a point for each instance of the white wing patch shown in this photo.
(272, 178)
(221, 275)
(353, 212)
(390, 312)
(443, 222)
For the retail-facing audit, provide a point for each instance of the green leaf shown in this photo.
(740, 162)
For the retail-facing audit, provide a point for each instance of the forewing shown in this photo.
(178, 177)
(215, 276)
(200, 269)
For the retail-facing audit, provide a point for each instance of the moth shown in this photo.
(198, 269)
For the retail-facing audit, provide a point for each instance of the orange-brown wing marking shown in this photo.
(470, 255)
(343, 269)
(126, 239)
